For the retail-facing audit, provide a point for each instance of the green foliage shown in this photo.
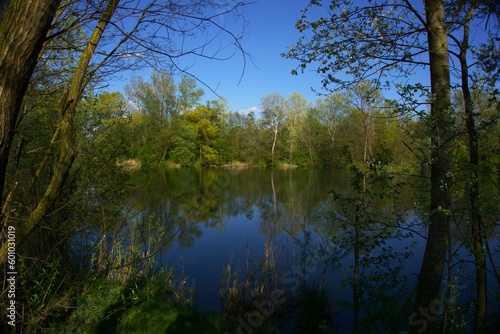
(41, 290)
(353, 39)
(190, 95)
(367, 220)
(183, 150)
(156, 99)
(94, 302)
(156, 127)
(202, 122)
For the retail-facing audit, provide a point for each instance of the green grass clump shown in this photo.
(145, 304)
(161, 315)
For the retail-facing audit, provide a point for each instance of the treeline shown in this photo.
(65, 147)
(162, 122)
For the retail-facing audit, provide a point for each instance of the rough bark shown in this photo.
(23, 28)
(427, 301)
(67, 131)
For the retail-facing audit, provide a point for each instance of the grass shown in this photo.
(315, 311)
(148, 302)
(161, 315)
(153, 305)
(240, 288)
(145, 305)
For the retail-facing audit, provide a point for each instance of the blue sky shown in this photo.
(271, 27)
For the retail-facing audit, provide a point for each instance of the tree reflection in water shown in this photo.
(262, 222)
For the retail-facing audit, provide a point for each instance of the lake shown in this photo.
(292, 229)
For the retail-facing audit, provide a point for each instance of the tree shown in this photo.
(164, 101)
(149, 40)
(156, 103)
(374, 42)
(429, 280)
(233, 136)
(331, 111)
(470, 82)
(156, 99)
(313, 139)
(67, 130)
(23, 28)
(367, 101)
(202, 121)
(251, 140)
(273, 115)
(297, 107)
(189, 95)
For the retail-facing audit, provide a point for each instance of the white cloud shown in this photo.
(131, 54)
(132, 106)
(249, 110)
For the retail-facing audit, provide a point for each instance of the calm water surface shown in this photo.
(217, 217)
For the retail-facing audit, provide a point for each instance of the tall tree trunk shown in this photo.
(67, 132)
(429, 281)
(274, 143)
(476, 218)
(23, 28)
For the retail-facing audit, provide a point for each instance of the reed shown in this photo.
(240, 288)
